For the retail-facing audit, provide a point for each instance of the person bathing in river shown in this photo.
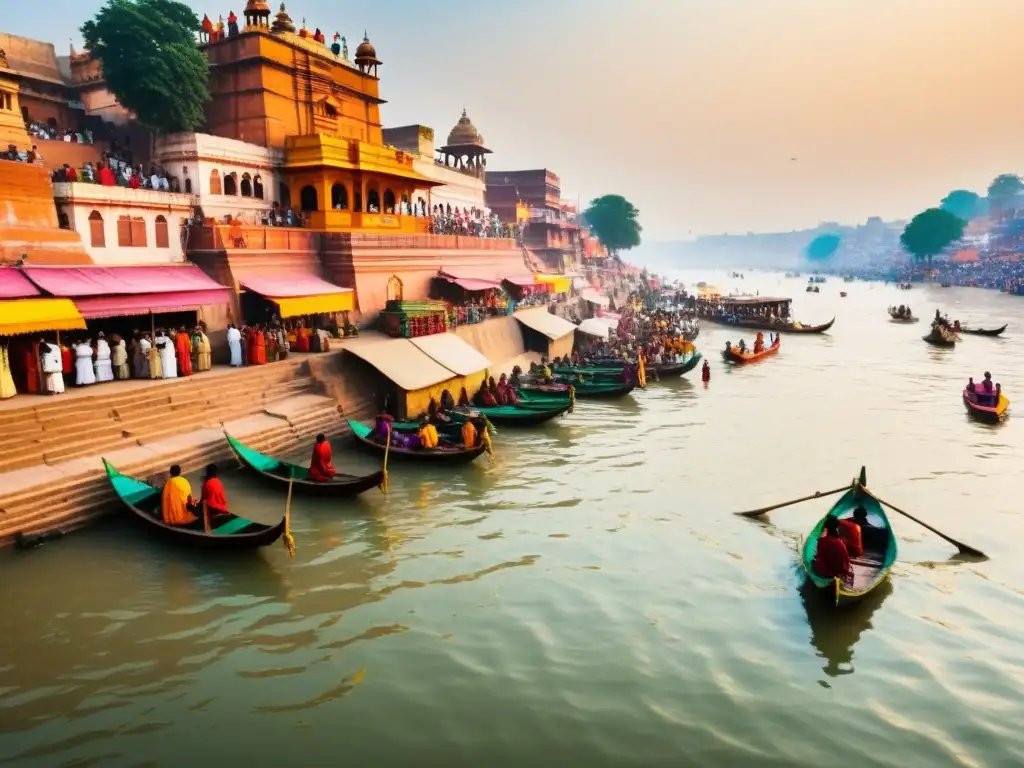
(321, 466)
(831, 558)
(705, 372)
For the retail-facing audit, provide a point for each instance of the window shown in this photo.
(188, 186)
(131, 232)
(389, 201)
(339, 197)
(372, 201)
(97, 237)
(284, 195)
(308, 199)
(231, 184)
(215, 183)
(246, 185)
(257, 187)
(162, 239)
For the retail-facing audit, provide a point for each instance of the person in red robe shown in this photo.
(183, 351)
(321, 467)
(213, 495)
(831, 560)
(66, 361)
(33, 367)
(259, 345)
(107, 177)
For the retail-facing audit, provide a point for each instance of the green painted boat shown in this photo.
(873, 566)
(445, 453)
(282, 472)
(229, 532)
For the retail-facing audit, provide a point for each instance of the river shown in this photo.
(590, 599)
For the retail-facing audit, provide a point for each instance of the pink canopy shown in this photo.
(523, 280)
(289, 285)
(113, 291)
(471, 284)
(477, 275)
(14, 285)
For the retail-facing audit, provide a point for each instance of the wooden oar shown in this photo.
(815, 495)
(965, 549)
(289, 542)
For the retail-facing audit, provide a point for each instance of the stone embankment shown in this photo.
(51, 476)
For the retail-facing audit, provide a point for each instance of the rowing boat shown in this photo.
(767, 325)
(989, 414)
(586, 389)
(674, 370)
(898, 318)
(282, 472)
(982, 331)
(733, 354)
(879, 542)
(522, 415)
(938, 340)
(231, 532)
(445, 453)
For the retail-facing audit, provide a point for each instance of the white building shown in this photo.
(120, 225)
(228, 177)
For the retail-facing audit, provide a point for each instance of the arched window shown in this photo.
(389, 201)
(395, 288)
(246, 185)
(308, 199)
(284, 195)
(339, 197)
(97, 237)
(231, 184)
(188, 186)
(257, 187)
(372, 201)
(162, 239)
(215, 188)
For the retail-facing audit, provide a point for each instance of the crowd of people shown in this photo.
(116, 173)
(473, 222)
(52, 133)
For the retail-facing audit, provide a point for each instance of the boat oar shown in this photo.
(289, 542)
(815, 495)
(387, 449)
(965, 549)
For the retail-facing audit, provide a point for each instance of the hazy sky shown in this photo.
(693, 108)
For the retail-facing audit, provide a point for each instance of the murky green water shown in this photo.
(589, 600)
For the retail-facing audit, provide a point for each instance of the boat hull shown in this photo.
(733, 355)
(938, 341)
(986, 414)
(982, 331)
(143, 501)
(279, 473)
(362, 433)
(755, 325)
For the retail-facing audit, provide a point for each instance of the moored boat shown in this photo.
(733, 354)
(982, 331)
(228, 532)
(447, 452)
(522, 415)
(282, 472)
(675, 370)
(869, 569)
(989, 414)
(936, 339)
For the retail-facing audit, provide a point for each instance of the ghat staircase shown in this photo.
(51, 476)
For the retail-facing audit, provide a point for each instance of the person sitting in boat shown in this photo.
(831, 558)
(850, 531)
(516, 380)
(971, 385)
(511, 398)
(463, 398)
(956, 326)
(176, 503)
(484, 398)
(743, 347)
(447, 403)
(759, 343)
(427, 434)
(213, 495)
(728, 346)
(321, 466)
(986, 392)
(470, 433)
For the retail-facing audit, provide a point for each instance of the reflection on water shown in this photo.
(590, 599)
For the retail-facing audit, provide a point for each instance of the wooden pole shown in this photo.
(815, 495)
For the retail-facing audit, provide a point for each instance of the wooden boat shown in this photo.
(894, 317)
(279, 472)
(813, 289)
(873, 566)
(733, 355)
(585, 389)
(936, 340)
(764, 325)
(230, 532)
(989, 414)
(445, 453)
(522, 415)
(674, 370)
(982, 331)
(842, 294)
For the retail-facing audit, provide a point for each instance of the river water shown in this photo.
(587, 600)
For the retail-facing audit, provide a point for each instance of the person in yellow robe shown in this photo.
(7, 388)
(469, 434)
(176, 502)
(427, 433)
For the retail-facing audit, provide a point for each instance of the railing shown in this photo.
(216, 237)
(449, 242)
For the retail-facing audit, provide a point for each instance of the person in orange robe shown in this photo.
(259, 346)
(183, 351)
(321, 466)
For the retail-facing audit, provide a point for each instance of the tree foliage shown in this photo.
(822, 248)
(148, 52)
(963, 204)
(1005, 185)
(614, 220)
(930, 232)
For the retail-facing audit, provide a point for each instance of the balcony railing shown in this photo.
(216, 237)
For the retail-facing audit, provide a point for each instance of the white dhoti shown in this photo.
(235, 345)
(53, 379)
(84, 373)
(103, 367)
(168, 360)
(55, 383)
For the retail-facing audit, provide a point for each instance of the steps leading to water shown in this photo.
(51, 475)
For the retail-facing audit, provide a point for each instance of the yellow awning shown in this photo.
(313, 305)
(558, 283)
(38, 315)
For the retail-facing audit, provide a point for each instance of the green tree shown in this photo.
(1004, 186)
(822, 248)
(962, 203)
(930, 232)
(148, 52)
(614, 220)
